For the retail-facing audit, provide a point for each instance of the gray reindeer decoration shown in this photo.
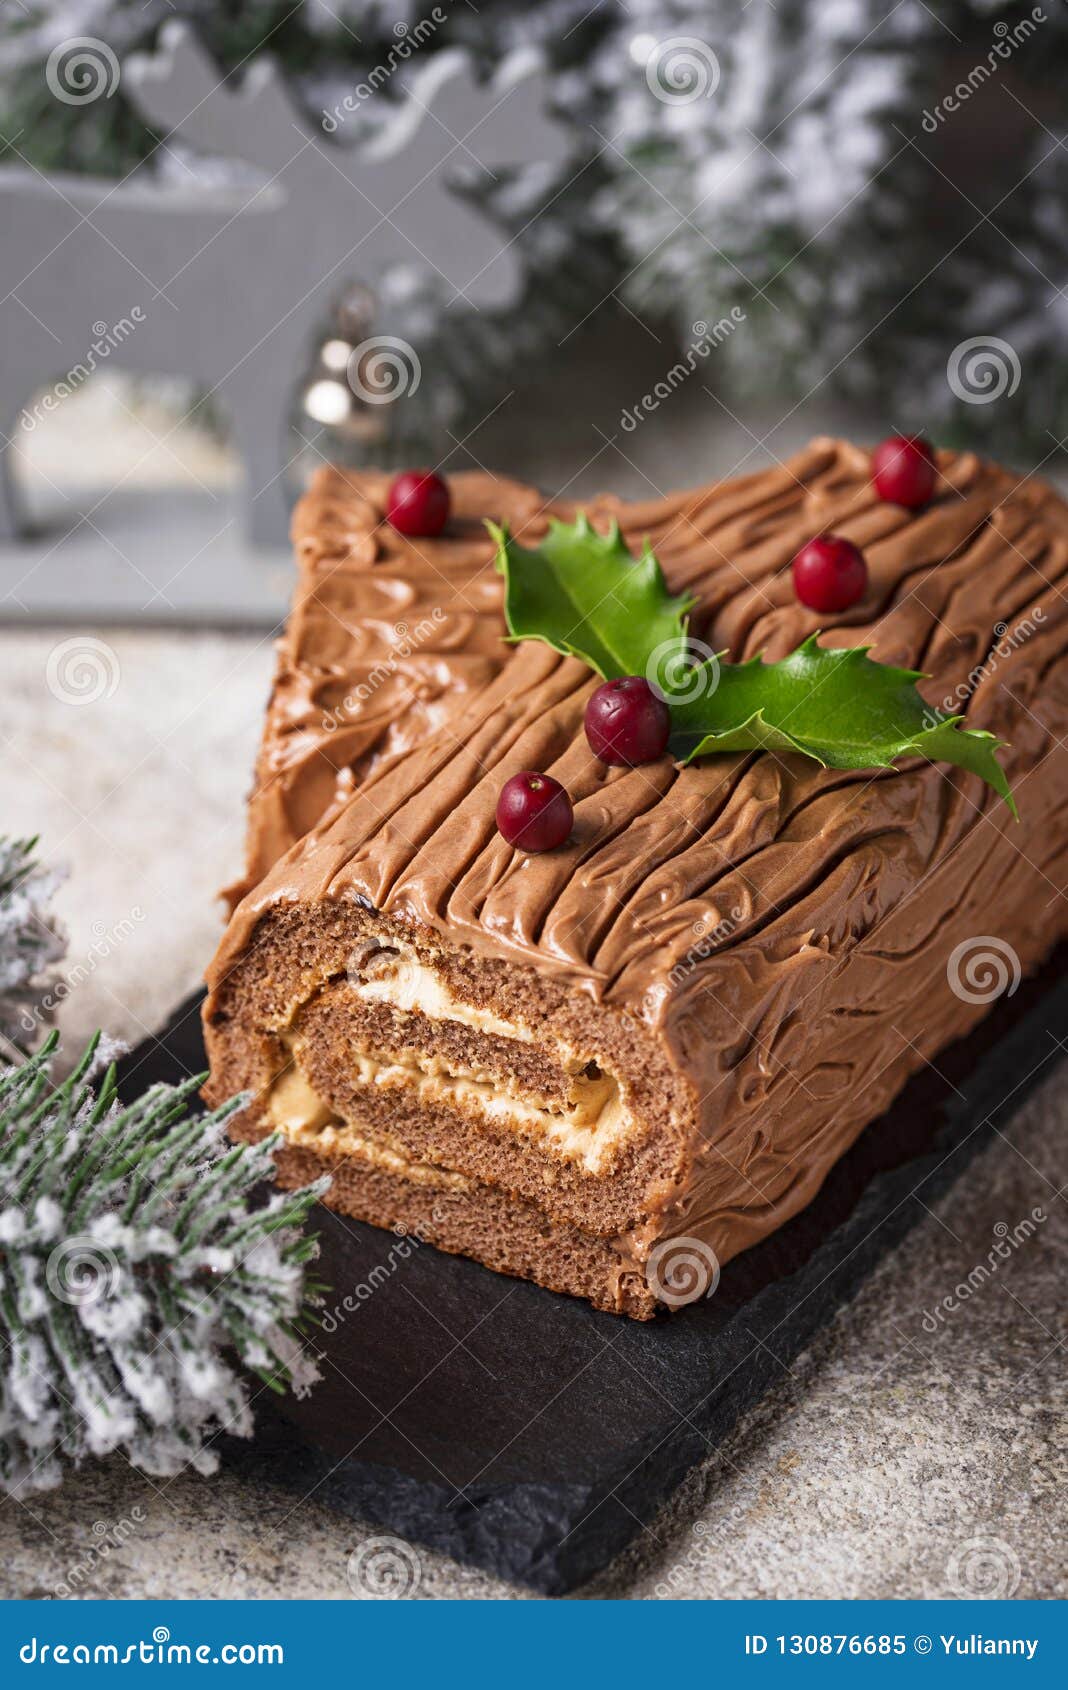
(227, 286)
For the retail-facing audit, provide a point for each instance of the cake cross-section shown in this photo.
(613, 1066)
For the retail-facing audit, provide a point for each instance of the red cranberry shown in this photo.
(418, 503)
(903, 470)
(830, 573)
(534, 812)
(627, 722)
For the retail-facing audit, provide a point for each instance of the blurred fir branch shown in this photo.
(327, 47)
(805, 184)
(31, 941)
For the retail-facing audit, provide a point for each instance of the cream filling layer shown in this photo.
(304, 1120)
(592, 1123)
(586, 1132)
(397, 978)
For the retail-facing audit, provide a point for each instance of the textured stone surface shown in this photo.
(140, 793)
(883, 1452)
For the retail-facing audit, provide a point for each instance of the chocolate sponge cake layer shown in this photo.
(505, 1081)
(729, 970)
(466, 1219)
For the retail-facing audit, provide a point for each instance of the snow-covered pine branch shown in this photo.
(137, 1284)
(31, 940)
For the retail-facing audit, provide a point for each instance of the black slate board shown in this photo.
(525, 1433)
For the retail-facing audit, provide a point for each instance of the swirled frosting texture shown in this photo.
(386, 637)
(785, 933)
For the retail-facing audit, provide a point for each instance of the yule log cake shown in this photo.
(646, 1047)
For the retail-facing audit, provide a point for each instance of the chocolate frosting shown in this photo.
(784, 929)
(386, 637)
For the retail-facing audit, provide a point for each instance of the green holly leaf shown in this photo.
(584, 594)
(835, 706)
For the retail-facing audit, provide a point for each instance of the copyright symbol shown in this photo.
(923, 1645)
